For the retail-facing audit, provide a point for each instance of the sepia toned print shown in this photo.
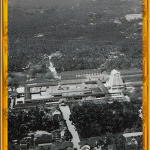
(75, 75)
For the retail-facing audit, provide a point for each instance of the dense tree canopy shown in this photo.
(78, 55)
(95, 119)
(19, 123)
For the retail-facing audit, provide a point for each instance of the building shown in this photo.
(131, 71)
(75, 91)
(93, 74)
(115, 83)
(79, 73)
(55, 113)
(56, 136)
(83, 85)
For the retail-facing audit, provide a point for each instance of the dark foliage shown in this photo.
(82, 34)
(93, 120)
(19, 123)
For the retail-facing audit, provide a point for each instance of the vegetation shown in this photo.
(67, 135)
(79, 55)
(85, 38)
(83, 35)
(33, 119)
(14, 79)
(93, 120)
(135, 96)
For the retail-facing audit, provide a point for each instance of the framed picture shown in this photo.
(74, 75)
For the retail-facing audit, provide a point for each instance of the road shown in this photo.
(66, 113)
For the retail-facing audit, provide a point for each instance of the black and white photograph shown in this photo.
(75, 75)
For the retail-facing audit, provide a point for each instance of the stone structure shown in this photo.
(115, 83)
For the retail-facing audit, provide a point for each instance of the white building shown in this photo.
(115, 83)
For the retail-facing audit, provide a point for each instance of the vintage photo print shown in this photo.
(75, 75)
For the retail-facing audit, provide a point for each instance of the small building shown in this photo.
(43, 141)
(20, 90)
(56, 136)
(55, 113)
(131, 141)
(134, 134)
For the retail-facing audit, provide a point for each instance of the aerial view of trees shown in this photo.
(77, 55)
(75, 35)
(33, 119)
(82, 34)
(14, 79)
(94, 120)
(135, 96)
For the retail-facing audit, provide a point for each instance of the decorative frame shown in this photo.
(4, 65)
(4, 48)
(145, 77)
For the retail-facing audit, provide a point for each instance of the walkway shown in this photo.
(66, 113)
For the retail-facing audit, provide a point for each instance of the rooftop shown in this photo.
(130, 71)
(83, 88)
(133, 134)
(81, 72)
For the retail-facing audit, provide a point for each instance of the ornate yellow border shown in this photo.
(4, 43)
(148, 58)
(4, 65)
(145, 76)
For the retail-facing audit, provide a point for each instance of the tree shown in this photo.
(132, 147)
(23, 129)
(95, 119)
(32, 73)
(120, 142)
(49, 75)
(34, 119)
(13, 83)
(67, 135)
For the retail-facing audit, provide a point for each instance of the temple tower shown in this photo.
(115, 83)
